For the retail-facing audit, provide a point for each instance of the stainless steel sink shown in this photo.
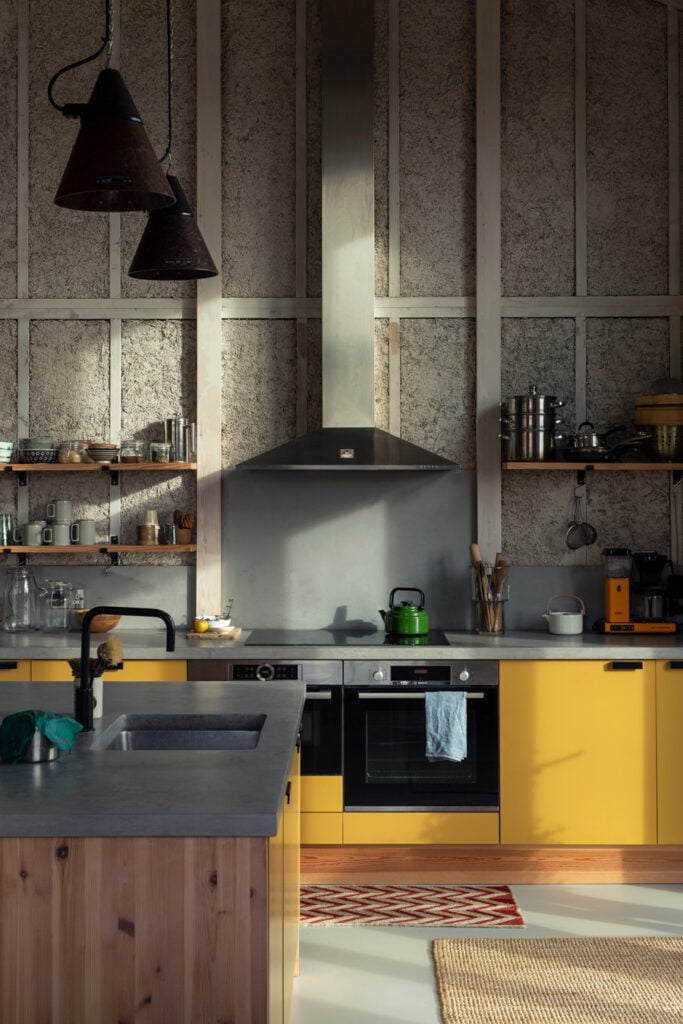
(181, 732)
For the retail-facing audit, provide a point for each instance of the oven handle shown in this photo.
(318, 694)
(363, 695)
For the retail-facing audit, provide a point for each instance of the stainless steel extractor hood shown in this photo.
(349, 439)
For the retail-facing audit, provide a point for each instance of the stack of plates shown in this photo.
(6, 451)
(100, 452)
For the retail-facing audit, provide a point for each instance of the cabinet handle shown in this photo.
(362, 695)
(318, 694)
(676, 664)
(288, 791)
(626, 666)
(4, 665)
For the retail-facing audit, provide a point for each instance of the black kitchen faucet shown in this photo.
(84, 692)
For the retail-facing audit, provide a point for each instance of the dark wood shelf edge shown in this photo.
(95, 549)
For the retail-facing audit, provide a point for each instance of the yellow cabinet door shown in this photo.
(133, 671)
(578, 759)
(15, 671)
(669, 751)
(419, 827)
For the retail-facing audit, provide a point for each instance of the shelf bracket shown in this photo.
(113, 556)
(581, 477)
(21, 473)
(113, 474)
(676, 476)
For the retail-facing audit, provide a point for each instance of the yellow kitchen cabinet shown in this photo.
(321, 810)
(133, 671)
(15, 671)
(578, 757)
(419, 827)
(669, 676)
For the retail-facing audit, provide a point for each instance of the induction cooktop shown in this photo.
(341, 638)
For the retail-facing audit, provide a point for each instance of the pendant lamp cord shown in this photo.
(169, 81)
(76, 109)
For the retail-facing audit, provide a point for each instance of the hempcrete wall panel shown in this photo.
(69, 379)
(258, 148)
(68, 249)
(627, 510)
(624, 357)
(437, 406)
(437, 164)
(144, 66)
(541, 352)
(8, 118)
(259, 386)
(8, 380)
(537, 196)
(627, 170)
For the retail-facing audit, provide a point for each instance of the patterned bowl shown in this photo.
(38, 454)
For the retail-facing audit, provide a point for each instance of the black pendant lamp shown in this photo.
(172, 247)
(112, 166)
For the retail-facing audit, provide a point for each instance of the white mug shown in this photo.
(59, 534)
(83, 531)
(33, 533)
(60, 510)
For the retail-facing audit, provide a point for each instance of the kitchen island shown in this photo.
(152, 884)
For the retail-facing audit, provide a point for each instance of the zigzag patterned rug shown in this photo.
(423, 906)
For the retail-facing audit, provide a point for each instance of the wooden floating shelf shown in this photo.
(95, 549)
(96, 467)
(587, 464)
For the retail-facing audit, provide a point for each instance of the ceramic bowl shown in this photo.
(35, 443)
(101, 623)
(38, 454)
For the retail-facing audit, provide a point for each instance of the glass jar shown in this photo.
(72, 452)
(56, 604)
(19, 602)
(132, 451)
(159, 451)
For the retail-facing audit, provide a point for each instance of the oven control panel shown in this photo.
(421, 673)
(315, 673)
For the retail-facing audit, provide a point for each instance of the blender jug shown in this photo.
(617, 580)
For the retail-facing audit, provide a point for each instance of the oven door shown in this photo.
(321, 731)
(385, 765)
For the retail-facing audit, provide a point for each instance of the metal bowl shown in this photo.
(40, 749)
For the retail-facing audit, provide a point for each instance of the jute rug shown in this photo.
(415, 905)
(560, 981)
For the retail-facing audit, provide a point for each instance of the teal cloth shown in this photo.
(16, 732)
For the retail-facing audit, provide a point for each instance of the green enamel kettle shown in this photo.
(406, 619)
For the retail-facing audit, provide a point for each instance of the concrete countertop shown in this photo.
(153, 793)
(514, 645)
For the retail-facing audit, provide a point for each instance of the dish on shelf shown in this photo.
(103, 452)
(33, 455)
(36, 443)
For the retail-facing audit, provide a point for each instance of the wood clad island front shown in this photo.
(159, 923)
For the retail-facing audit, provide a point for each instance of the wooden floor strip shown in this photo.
(507, 864)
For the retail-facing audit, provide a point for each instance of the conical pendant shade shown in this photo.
(172, 247)
(112, 164)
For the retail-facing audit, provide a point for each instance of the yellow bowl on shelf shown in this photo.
(100, 623)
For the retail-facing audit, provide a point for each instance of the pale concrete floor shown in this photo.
(362, 975)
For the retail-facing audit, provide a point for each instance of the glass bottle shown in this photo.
(19, 600)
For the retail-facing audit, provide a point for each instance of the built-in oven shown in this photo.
(386, 766)
(321, 725)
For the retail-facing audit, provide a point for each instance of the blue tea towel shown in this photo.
(446, 725)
